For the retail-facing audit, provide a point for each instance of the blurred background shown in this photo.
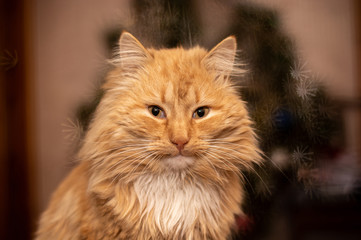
(303, 91)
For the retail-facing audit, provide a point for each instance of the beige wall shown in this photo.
(324, 33)
(70, 55)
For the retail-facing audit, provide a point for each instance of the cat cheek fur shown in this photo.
(121, 189)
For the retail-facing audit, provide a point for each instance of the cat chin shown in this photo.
(178, 162)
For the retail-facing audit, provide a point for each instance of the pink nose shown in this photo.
(179, 143)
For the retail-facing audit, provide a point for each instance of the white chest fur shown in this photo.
(175, 205)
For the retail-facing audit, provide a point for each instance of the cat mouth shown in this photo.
(178, 162)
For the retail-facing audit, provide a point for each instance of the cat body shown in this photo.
(164, 154)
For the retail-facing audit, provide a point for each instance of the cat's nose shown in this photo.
(180, 143)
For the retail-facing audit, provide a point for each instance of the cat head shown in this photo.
(171, 110)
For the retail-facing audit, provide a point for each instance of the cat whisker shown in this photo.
(239, 172)
(114, 149)
(236, 154)
(105, 161)
(235, 144)
(129, 141)
(117, 150)
(147, 157)
(118, 144)
(147, 165)
(103, 135)
(225, 150)
(216, 156)
(212, 165)
(141, 157)
(263, 155)
(136, 141)
(240, 154)
(191, 174)
(215, 141)
(136, 155)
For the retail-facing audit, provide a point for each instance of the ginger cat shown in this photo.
(164, 154)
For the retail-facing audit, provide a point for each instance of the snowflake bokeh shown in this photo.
(299, 71)
(73, 130)
(305, 88)
(301, 156)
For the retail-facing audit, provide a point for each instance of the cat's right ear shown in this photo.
(131, 54)
(222, 59)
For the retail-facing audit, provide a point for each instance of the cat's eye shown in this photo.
(156, 111)
(201, 112)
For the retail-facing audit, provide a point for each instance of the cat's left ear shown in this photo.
(221, 59)
(131, 54)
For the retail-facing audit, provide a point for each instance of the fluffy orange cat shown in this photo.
(164, 154)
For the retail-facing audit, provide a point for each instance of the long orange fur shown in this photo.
(133, 180)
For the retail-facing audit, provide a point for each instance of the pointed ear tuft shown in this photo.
(130, 55)
(221, 59)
